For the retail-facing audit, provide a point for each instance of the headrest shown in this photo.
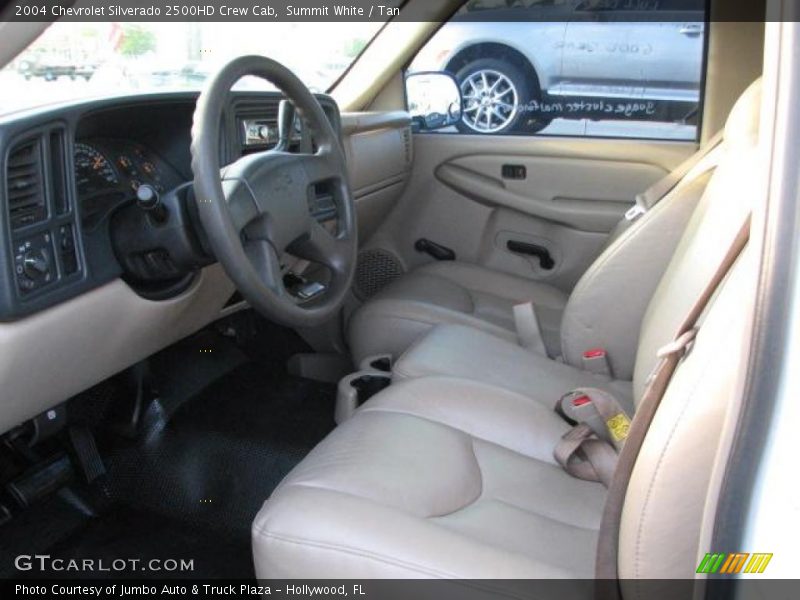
(742, 125)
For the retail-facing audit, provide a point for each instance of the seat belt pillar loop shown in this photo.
(637, 210)
(679, 345)
(653, 195)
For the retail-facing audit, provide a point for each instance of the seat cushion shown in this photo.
(435, 477)
(451, 292)
(460, 351)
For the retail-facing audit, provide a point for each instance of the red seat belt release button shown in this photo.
(596, 361)
(581, 400)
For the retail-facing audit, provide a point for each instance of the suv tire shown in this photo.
(495, 92)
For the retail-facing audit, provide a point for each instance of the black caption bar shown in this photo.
(233, 10)
(389, 589)
(375, 10)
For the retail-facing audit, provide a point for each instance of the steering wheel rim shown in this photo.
(256, 209)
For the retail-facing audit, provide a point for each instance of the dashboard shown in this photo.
(70, 315)
(72, 175)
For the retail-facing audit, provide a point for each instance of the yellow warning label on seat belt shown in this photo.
(618, 426)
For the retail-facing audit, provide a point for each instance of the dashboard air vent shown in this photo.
(58, 171)
(261, 109)
(25, 184)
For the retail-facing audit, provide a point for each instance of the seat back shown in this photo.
(663, 522)
(606, 306)
(711, 229)
(611, 305)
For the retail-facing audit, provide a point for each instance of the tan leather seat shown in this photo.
(612, 300)
(451, 477)
(462, 351)
(433, 478)
(612, 294)
(455, 350)
(451, 292)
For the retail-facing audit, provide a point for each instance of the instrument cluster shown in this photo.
(109, 173)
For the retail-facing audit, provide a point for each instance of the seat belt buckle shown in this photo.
(596, 361)
(577, 407)
(597, 410)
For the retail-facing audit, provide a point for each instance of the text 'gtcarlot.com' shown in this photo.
(45, 562)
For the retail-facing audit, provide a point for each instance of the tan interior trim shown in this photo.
(379, 155)
(392, 96)
(66, 349)
(735, 60)
(593, 207)
(360, 122)
(769, 134)
(427, 206)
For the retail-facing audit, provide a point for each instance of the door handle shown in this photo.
(691, 29)
(543, 254)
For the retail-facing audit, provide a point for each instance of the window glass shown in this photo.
(74, 60)
(617, 68)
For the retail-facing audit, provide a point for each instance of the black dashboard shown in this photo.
(69, 172)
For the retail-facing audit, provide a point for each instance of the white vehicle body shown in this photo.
(606, 55)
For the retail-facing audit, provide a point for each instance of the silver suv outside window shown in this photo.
(611, 68)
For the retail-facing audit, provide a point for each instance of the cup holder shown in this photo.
(354, 390)
(368, 385)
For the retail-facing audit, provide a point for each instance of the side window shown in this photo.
(607, 68)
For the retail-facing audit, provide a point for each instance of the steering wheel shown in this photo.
(257, 209)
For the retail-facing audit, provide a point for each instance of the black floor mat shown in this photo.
(217, 459)
(229, 425)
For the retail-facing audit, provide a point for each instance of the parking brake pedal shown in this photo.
(41, 481)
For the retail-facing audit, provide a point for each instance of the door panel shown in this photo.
(574, 192)
(587, 194)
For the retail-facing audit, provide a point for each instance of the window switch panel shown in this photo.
(514, 172)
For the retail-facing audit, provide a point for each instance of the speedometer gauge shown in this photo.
(93, 171)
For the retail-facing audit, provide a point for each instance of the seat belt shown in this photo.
(669, 356)
(653, 195)
(528, 331)
(589, 450)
